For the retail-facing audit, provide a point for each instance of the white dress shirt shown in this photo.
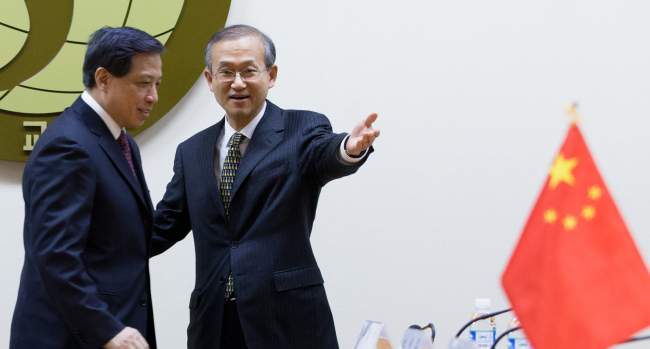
(108, 120)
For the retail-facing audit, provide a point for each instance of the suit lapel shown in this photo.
(114, 152)
(109, 145)
(268, 134)
(206, 161)
(137, 164)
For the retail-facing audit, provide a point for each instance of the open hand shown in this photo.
(362, 136)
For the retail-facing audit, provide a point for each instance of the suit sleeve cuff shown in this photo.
(351, 159)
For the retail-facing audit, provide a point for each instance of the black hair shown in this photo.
(114, 48)
(238, 31)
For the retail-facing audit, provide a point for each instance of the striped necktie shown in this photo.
(228, 171)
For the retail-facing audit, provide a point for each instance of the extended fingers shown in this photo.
(370, 119)
(366, 141)
(372, 134)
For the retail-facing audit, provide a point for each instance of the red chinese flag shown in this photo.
(576, 278)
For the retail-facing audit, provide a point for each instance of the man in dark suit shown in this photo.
(248, 188)
(88, 214)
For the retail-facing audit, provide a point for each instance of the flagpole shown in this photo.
(634, 339)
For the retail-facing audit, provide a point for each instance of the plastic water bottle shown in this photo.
(483, 332)
(517, 339)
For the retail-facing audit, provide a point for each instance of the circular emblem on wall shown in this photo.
(43, 46)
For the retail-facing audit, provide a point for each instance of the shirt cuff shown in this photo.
(347, 158)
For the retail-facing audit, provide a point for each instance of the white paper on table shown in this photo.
(416, 339)
(372, 333)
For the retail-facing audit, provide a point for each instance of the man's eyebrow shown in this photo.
(149, 76)
(223, 63)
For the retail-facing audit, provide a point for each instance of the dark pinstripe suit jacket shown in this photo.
(279, 287)
(87, 235)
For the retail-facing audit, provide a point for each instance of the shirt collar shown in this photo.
(249, 129)
(108, 120)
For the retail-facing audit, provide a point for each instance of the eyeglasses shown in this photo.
(246, 75)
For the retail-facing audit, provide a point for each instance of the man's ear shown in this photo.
(273, 73)
(208, 78)
(102, 78)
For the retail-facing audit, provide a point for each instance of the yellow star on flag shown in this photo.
(595, 192)
(561, 171)
(588, 212)
(569, 222)
(550, 216)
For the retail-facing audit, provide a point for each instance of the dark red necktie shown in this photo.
(126, 149)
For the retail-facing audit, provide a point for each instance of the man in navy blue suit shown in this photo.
(248, 188)
(88, 214)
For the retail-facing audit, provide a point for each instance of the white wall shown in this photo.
(470, 99)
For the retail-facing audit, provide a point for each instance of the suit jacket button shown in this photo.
(222, 280)
(143, 302)
(234, 244)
